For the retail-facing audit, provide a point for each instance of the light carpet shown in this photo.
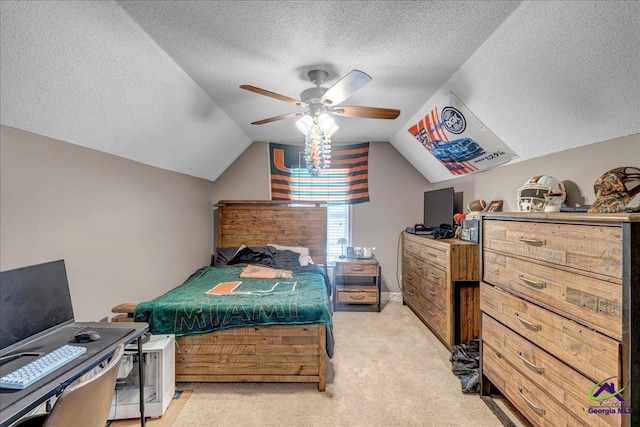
(388, 370)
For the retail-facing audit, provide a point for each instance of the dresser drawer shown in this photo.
(411, 247)
(411, 297)
(435, 318)
(421, 267)
(359, 269)
(411, 294)
(589, 352)
(596, 303)
(434, 256)
(357, 295)
(588, 248)
(408, 259)
(530, 399)
(436, 276)
(434, 288)
(565, 385)
(409, 275)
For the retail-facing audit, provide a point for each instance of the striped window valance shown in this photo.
(346, 181)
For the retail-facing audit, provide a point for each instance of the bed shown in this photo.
(233, 327)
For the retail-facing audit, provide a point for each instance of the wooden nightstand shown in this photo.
(356, 285)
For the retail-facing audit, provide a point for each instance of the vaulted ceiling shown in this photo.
(158, 81)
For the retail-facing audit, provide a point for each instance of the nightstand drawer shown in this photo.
(356, 269)
(357, 295)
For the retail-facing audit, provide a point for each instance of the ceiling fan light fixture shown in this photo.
(326, 123)
(317, 147)
(317, 123)
(304, 124)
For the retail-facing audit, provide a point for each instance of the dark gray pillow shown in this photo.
(251, 256)
(286, 259)
(223, 256)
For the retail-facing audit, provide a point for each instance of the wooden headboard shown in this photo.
(258, 222)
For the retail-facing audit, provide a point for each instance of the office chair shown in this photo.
(85, 404)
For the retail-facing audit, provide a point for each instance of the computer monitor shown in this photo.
(34, 301)
(439, 207)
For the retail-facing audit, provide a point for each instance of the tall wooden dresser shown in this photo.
(440, 284)
(560, 316)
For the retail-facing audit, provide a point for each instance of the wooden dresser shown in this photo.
(558, 334)
(440, 284)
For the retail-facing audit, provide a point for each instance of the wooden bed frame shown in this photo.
(270, 353)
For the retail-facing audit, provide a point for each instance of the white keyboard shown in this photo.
(36, 370)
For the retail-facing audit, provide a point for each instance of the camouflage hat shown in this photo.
(618, 190)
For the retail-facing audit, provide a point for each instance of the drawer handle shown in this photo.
(430, 312)
(533, 284)
(431, 292)
(419, 268)
(531, 365)
(435, 275)
(357, 268)
(536, 326)
(433, 255)
(409, 277)
(530, 403)
(358, 297)
(410, 293)
(534, 242)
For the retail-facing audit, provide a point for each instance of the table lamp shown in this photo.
(342, 241)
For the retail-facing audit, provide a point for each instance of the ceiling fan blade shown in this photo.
(276, 118)
(345, 87)
(273, 95)
(367, 112)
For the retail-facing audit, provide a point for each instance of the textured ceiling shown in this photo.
(409, 49)
(158, 81)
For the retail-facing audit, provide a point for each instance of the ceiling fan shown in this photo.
(318, 100)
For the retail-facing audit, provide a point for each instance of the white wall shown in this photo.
(128, 232)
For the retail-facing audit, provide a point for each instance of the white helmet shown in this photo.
(531, 196)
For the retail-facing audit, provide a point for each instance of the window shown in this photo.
(338, 226)
(345, 183)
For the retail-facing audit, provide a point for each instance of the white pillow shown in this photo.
(304, 257)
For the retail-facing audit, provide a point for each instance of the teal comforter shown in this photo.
(189, 310)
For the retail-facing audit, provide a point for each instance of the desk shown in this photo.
(17, 403)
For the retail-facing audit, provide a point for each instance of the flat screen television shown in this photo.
(439, 207)
(34, 301)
